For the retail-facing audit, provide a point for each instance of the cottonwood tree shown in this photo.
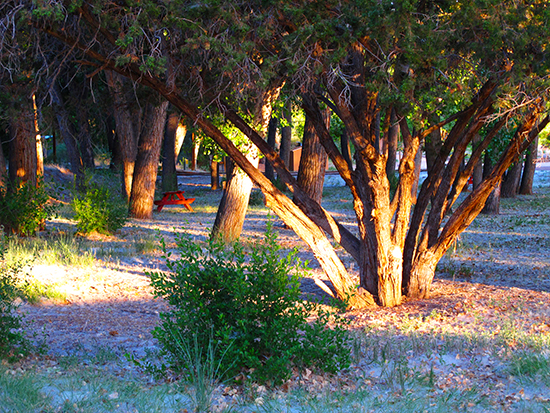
(451, 66)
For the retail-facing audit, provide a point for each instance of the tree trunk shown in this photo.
(113, 142)
(39, 142)
(286, 134)
(22, 152)
(477, 175)
(146, 167)
(529, 168)
(271, 138)
(492, 204)
(127, 129)
(236, 194)
(313, 162)
(181, 131)
(66, 129)
(3, 167)
(393, 139)
(214, 174)
(169, 176)
(233, 205)
(84, 138)
(345, 148)
(510, 182)
(196, 143)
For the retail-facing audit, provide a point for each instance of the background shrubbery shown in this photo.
(245, 302)
(98, 209)
(24, 208)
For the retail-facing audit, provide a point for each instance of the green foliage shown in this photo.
(99, 210)
(12, 341)
(24, 208)
(249, 303)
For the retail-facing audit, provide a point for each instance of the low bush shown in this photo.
(248, 302)
(12, 342)
(97, 209)
(24, 208)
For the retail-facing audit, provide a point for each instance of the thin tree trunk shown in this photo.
(66, 129)
(196, 143)
(477, 175)
(146, 168)
(271, 138)
(115, 163)
(39, 146)
(169, 176)
(181, 131)
(3, 168)
(510, 183)
(345, 148)
(313, 162)
(126, 130)
(84, 138)
(492, 204)
(286, 134)
(393, 138)
(214, 174)
(529, 168)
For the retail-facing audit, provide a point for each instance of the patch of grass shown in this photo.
(531, 366)
(52, 250)
(34, 291)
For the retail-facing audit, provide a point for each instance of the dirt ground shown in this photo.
(500, 267)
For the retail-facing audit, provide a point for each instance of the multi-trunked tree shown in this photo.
(458, 70)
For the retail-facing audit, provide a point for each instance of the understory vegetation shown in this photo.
(450, 353)
(244, 304)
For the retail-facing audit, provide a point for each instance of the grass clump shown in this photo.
(97, 209)
(51, 250)
(248, 304)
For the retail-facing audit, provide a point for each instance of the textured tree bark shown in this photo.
(127, 129)
(529, 167)
(236, 194)
(313, 162)
(393, 139)
(492, 205)
(169, 176)
(22, 152)
(477, 175)
(214, 174)
(146, 167)
(345, 148)
(39, 146)
(510, 182)
(271, 137)
(286, 134)
(68, 134)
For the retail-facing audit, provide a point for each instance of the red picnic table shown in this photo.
(174, 198)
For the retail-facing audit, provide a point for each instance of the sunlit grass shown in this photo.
(53, 250)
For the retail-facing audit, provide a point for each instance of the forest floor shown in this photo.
(480, 343)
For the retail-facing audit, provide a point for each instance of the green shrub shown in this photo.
(99, 210)
(249, 303)
(24, 208)
(12, 342)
